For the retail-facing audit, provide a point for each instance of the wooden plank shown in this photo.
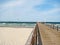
(49, 36)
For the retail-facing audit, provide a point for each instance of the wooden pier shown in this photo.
(44, 35)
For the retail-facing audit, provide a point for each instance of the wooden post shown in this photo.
(53, 26)
(57, 28)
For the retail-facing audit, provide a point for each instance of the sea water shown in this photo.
(17, 24)
(25, 24)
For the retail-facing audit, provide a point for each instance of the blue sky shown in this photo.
(30, 10)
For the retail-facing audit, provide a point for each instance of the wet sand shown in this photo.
(14, 36)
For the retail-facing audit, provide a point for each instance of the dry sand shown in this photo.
(14, 36)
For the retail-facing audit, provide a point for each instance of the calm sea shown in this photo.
(17, 24)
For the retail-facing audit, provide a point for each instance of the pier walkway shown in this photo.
(49, 36)
(45, 35)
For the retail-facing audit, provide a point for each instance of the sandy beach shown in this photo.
(14, 36)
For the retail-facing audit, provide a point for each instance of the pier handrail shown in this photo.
(34, 38)
(29, 39)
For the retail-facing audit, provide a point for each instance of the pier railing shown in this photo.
(34, 38)
(53, 26)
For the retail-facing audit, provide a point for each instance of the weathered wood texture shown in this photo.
(49, 36)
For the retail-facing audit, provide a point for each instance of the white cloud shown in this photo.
(12, 4)
(26, 4)
(51, 11)
(23, 9)
(21, 2)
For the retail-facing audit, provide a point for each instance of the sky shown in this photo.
(30, 10)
